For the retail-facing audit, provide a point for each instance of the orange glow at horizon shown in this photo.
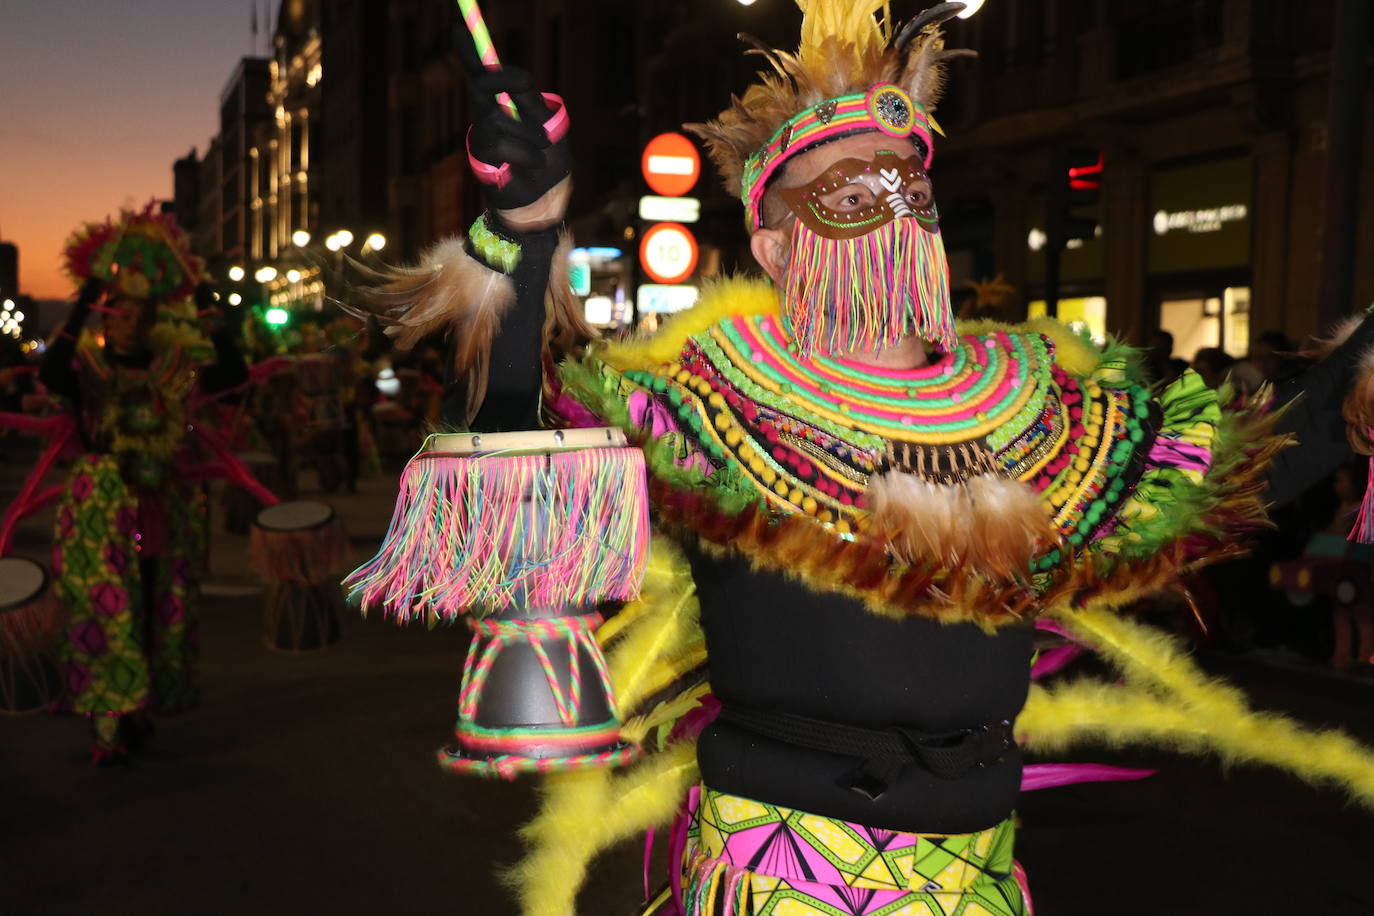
(98, 101)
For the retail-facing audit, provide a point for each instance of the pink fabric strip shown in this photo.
(24, 502)
(1175, 453)
(1038, 776)
(499, 176)
(1052, 660)
(235, 470)
(556, 127)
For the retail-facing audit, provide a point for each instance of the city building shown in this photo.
(1212, 120)
(244, 114)
(9, 270)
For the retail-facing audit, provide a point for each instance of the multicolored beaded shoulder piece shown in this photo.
(808, 434)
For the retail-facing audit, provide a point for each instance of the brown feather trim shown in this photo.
(1319, 348)
(863, 569)
(565, 319)
(448, 292)
(1358, 409)
(987, 523)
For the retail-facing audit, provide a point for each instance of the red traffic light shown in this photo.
(1086, 177)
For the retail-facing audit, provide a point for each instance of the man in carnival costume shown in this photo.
(864, 512)
(130, 526)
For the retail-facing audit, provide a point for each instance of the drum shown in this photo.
(524, 536)
(299, 548)
(31, 622)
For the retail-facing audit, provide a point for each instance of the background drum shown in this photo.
(31, 621)
(300, 548)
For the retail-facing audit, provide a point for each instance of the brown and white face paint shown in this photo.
(866, 266)
(855, 197)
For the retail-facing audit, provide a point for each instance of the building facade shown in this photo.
(1212, 118)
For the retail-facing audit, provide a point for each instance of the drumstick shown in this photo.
(486, 50)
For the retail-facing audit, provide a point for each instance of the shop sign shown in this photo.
(1200, 216)
(659, 298)
(1211, 219)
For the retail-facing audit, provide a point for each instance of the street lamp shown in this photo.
(300, 238)
(293, 276)
(235, 299)
(236, 273)
(345, 238)
(375, 242)
(970, 7)
(266, 274)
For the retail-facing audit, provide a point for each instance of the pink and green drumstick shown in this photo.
(486, 50)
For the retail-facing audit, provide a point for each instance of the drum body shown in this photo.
(31, 622)
(523, 535)
(299, 548)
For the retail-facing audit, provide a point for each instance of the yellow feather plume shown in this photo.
(719, 300)
(847, 21)
(662, 629)
(1168, 701)
(584, 813)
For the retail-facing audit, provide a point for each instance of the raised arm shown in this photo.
(56, 371)
(487, 292)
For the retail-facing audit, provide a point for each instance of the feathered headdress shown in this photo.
(853, 72)
(143, 255)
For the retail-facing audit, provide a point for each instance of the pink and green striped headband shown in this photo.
(885, 108)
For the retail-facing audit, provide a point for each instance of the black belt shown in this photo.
(883, 753)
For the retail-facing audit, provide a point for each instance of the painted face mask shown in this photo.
(867, 264)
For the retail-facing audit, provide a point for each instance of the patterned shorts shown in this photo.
(748, 858)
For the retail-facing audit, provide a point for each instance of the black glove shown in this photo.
(536, 164)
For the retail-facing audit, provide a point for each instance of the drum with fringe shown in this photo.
(299, 548)
(31, 623)
(530, 537)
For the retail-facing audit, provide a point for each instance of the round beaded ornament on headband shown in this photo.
(885, 108)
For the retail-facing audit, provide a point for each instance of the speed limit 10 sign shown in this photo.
(668, 252)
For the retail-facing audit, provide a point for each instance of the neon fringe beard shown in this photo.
(842, 296)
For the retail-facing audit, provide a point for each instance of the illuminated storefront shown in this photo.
(1198, 254)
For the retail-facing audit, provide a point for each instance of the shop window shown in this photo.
(1212, 321)
(1086, 314)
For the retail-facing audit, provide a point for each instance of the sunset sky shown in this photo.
(97, 99)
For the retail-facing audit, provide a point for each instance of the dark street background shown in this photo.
(308, 785)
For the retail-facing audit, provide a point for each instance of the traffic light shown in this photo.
(1082, 177)
(1075, 181)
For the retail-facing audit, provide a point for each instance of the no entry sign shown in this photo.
(668, 252)
(671, 165)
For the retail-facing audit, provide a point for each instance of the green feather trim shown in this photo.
(605, 392)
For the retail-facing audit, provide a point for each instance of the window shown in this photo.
(1209, 321)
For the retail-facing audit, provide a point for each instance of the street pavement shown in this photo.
(307, 784)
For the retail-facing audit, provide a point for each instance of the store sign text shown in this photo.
(1211, 219)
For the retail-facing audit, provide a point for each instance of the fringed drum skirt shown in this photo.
(748, 858)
